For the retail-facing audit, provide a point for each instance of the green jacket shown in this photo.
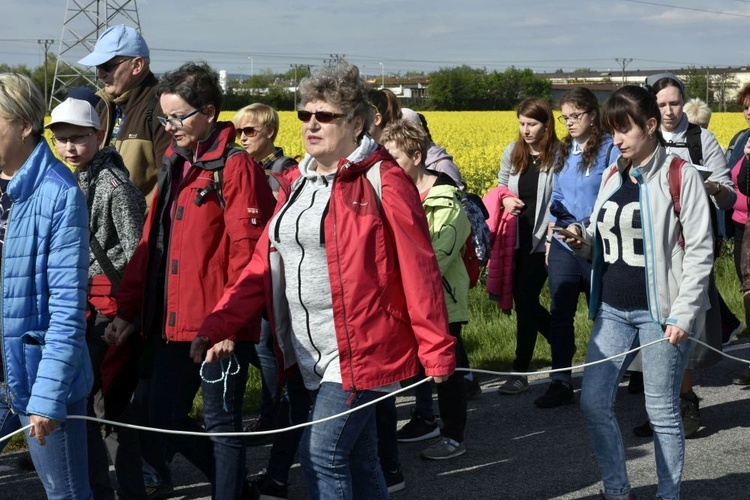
(449, 228)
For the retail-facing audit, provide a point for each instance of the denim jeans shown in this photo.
(615, 332)
(264, 359)
(222, 412)
(529, 275)
(175, 382)
(569, 275)
(62, 463)
(340, 457)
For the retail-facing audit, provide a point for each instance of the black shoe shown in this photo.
(473, 389)
(635, 386)
(417, 429)
(558, 393)
(394, 480)
(269, 489)
(644, 431)
(742, 378)
(691, 418)
(257, 425)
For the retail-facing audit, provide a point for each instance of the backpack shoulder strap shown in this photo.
(675, 182)
(373, 175)
(150, 112)
(695, 147)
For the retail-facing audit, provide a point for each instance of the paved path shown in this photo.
(517, 451)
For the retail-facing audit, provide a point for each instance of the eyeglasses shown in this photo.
(111, 65)
(178, 122)
(76, 140)
(321, 116)
(574, 118)
(248, 131)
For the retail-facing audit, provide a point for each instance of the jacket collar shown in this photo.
(647, 170)
(32, 172)
(366, 155)
(140, 90)
(210, 150)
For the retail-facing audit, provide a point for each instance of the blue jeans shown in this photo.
(340, 457)
(569, 275)
(175, 382)
(264, 359)
(615, 332)
(62, 463)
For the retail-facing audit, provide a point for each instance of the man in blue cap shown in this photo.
(129, 104)
(128, 114)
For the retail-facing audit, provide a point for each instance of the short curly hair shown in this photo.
(408, 137)
(196, 83)
(340, 86)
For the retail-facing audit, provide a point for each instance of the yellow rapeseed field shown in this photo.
(476, 139)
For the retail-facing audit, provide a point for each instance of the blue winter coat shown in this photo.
(44, 270)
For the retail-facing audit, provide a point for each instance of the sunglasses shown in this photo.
(110, 65)
(320, 116)
(248, 131)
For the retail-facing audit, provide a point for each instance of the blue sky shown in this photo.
(421, 35)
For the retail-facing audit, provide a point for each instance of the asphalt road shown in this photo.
(517, 451)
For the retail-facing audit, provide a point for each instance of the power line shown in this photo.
(733, 14)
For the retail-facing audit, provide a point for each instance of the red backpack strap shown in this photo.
(675, 186)
(675, 182)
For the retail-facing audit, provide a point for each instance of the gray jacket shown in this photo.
(543, 196)
(676, 278)
(116, 208)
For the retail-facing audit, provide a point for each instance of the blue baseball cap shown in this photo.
(116, 41)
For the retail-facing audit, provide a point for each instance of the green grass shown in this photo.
(490, 336)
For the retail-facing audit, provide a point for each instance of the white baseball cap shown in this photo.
(75, 112)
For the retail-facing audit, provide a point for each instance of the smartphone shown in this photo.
(569, 234)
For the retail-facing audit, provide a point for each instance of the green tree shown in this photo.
(457, 89)
(698, 84)
(507, 89)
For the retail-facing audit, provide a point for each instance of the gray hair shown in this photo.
(21, 100)
(340, 86)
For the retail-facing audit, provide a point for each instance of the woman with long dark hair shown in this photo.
(526, 170)
(651, 266)
(584, 154)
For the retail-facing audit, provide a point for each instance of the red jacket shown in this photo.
(388, 304)
(200, 248)
(503, 227)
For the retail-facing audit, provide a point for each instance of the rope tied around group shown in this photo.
(226, 373)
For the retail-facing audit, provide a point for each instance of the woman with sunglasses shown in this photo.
(584, 154)
(647, 286)
(337, 266)
(211, 205)
(257, 126)
(526, 172)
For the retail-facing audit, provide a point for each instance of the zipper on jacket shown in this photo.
(332, 208)
(8, 395)
(282, 212)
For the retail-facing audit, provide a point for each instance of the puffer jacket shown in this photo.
(192, 252)
(503, 229)
(449, 227)
(387, 317)
(44, 265)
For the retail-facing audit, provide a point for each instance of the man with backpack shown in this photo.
(129, 105)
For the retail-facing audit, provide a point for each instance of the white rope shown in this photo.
(373, 402)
